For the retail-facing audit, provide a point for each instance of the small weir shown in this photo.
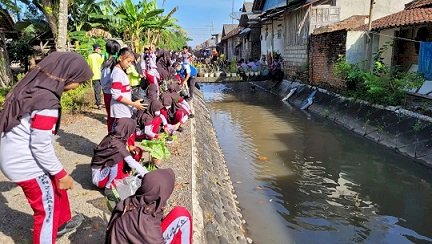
(303, 179)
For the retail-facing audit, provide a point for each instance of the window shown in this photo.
(279, 34)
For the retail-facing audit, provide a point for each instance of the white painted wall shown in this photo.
(355, 46)
(272, 42)
(381, 8)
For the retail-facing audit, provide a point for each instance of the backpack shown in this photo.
(194, 71)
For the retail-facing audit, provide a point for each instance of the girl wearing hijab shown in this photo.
(139, 218)
(175, 106)
(28, 121)
(112, 49)
(150, 120)
(152, 74)
(111, 154)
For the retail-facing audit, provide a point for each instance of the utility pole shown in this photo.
(232, 12)
(372, 2)
(368, 40)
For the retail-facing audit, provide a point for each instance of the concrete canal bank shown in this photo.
(216, 213)
(394, 127)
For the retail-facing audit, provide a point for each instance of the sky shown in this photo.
(196, 16)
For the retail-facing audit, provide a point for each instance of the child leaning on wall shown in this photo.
(28, 122)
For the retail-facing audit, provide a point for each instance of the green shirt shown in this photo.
(95, 61)
(134, 77)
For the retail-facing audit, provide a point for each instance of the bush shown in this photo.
(75, 100)
(3, 93)
(383, 85)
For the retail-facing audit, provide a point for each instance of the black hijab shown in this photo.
(112, 148)
(43, 86)
(137, 219)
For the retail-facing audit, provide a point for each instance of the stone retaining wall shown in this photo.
(217, 217)
(404, 131)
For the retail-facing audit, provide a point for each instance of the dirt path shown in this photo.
(78, 135)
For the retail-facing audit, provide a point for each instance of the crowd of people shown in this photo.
(145, 95)
(273, 71)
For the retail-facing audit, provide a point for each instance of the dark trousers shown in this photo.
(191, 85)
(97, 91)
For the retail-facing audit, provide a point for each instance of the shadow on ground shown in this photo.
(101, 117)
(82, 174)
(13, 220)
(75, 143)
(92, 230)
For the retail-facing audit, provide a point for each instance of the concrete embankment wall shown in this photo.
(404, 131)
(217, 217)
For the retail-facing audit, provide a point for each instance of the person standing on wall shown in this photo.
(95, 61)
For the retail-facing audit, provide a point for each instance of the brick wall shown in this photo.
(323, 54)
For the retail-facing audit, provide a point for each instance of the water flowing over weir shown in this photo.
(303, 179)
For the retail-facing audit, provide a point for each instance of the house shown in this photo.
(288, 24)
(399, 36)
(328, 43)
(230, 41)
(250, 33)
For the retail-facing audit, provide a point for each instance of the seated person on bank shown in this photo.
(139, 218)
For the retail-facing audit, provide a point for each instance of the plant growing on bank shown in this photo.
(157, 147)
(382, 85)
(233, 67)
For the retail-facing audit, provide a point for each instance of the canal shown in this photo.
(303, 179)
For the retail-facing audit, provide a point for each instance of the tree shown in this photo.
(139, 24)
(62, 25)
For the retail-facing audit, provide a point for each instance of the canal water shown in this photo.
(303, 179)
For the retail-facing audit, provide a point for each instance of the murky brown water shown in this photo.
(303, 179)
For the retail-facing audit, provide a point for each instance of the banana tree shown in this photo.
(80, 14)
(132, 20)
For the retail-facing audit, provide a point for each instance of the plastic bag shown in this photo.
(127, 187)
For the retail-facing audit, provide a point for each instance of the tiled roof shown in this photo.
(346, 24)
(416, 16)
(232, 33)
(418, 4)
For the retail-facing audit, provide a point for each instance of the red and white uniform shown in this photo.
(152, 73)
(120, 88)
(106, 88)
(151, 130)
(27, 158)
(177, 226)
(104, 177)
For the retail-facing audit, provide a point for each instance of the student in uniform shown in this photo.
(112, 49)
(152, 74)
(108, 162)
(121, 100)
(176, 109)
(140, 218)
(28, 121)
(150, 120)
